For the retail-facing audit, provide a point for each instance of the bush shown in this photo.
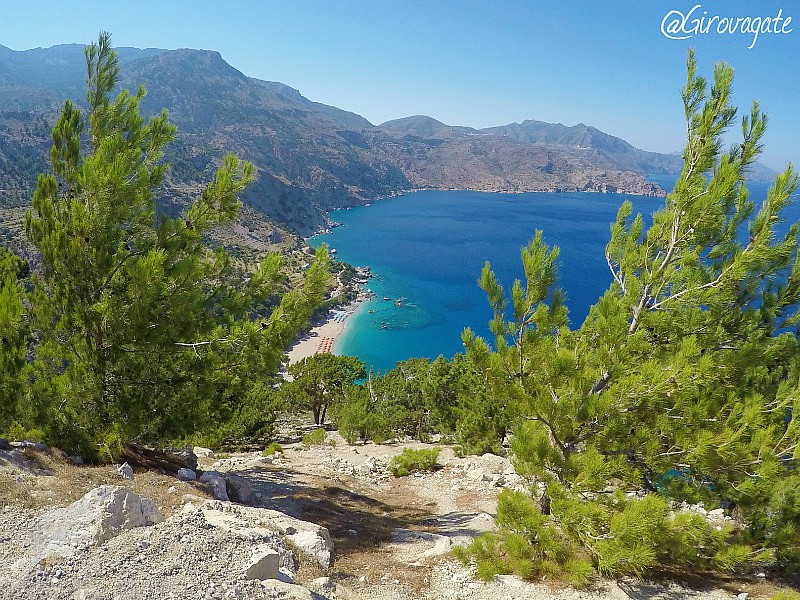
(17, 432)
(273, 448)
(314, 438)
(410, 461)
(357, 419)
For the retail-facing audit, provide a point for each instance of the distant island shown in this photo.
(310, 157)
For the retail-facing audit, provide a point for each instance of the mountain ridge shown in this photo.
(309, 157)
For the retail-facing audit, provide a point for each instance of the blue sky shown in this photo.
(602, 62)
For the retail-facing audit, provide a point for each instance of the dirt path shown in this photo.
(392, 536)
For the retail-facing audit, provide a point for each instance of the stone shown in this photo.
(264, 564)
(322, 585)
(309, 538)
(317, 544)
(437, 544)
(215, 484)
(75, 460)
(743, 595)
(185, 474)
(34, 445)
(4, 445)
(101, 514)
(125, 471)
(286, 591)
(201, 452)
(185, 456)
(239, 489)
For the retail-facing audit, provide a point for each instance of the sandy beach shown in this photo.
(323, 337)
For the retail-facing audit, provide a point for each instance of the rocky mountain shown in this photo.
(310, 157)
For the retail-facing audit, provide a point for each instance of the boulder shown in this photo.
(215, 484)
(310, 539)
(322, 585)
(185, 456)
(4, 445)
(286, 591)
(264, 564)
(239, 489)
(101, 514)
(434, 544)
(185, 474)
(316, 544)
(201, 452)
(39, 446)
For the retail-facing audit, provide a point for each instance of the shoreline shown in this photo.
(326, 336)
(326, 229)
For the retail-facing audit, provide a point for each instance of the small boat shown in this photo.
(372, 312)
(386, 298)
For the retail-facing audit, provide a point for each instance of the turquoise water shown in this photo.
(428, 248)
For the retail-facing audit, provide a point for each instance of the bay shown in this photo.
(426, 249)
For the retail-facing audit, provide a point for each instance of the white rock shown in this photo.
(286, 591)
(101, 514)
(436, 544)
(185, 474)
(125, 471)
(309, 538)
(317, 544)
(201, 452)
(322, 585)
(264, 564)
(215, 484)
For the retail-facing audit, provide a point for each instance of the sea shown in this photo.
(426, 250)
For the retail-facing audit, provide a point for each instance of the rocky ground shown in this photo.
(325, 522)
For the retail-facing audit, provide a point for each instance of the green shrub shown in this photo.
(786, 595)
(18, 432)
(410, 461)
(273, 448)
(614, 536)
(357, 419)
(314, 438)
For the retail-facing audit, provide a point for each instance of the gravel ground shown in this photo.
(391, 536)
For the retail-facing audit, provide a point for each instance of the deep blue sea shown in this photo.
(428, 248)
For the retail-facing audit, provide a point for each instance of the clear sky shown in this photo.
(465, 62)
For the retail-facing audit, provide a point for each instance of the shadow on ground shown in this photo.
(355, 520)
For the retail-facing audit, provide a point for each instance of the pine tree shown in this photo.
(679, 386)
(145, 332)
(14, 336)
(320, 381)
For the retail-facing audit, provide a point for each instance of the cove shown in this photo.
(426, 250)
